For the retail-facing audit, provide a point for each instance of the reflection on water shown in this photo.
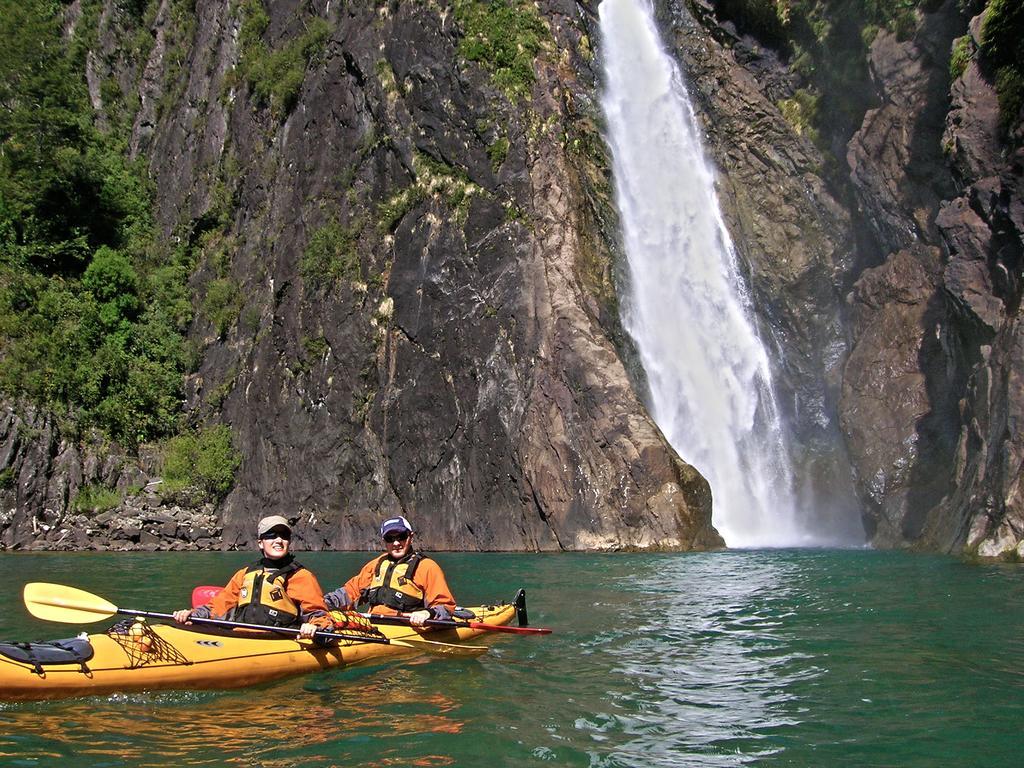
(141, 729)
(795, 658)
(709, 671)
(196, 728)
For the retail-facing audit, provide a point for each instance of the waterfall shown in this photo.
(687, 308)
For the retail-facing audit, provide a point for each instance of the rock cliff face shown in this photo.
(903, 372)
(454, 362)
(920, 361)
(949, 292)
(457, 357)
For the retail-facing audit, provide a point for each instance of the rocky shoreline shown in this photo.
(143, 523)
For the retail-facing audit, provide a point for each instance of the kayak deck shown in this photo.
(136, 656)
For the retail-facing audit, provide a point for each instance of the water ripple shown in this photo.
(739, 658)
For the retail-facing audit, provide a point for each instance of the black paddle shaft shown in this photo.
(378, 618)
(261, 627)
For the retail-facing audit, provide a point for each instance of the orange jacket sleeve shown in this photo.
(227, 598)
(355, 586)
(430, 578)
(304, 589)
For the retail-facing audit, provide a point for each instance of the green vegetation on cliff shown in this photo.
(94, 305)
(203, 462)
(92, 315)
(504, 36)
(276, 76)
(808, 26)
(96, 498)
(827, 43)
(963, 51)
(331, 254)
(1002, 51)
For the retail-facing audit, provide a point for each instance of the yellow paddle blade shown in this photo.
(55, 602)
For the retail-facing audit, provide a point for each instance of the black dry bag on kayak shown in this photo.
(74, 650)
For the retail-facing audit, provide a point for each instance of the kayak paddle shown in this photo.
(378, 618)
(55, 602)
(204, 594)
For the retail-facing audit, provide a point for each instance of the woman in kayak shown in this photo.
(276, 590)
(400, 581)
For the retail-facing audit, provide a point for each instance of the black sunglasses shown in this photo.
(276, 534)
(391, 538)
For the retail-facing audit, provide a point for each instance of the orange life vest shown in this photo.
(392, 584)
(264, 599)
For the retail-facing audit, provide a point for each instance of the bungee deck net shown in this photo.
(353, 623)
(143, 646)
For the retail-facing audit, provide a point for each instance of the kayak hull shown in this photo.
(152, 657)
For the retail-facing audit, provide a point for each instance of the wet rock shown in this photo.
(885, 399)
(971, 138)
(958, 470)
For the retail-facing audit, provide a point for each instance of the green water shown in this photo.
(768, 658)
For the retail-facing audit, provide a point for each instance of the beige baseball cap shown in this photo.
(271, 522)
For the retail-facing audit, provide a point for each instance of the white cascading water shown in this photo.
(687, 309)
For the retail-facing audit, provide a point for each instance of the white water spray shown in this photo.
(687, 310)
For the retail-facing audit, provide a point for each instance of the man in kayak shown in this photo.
(275, 591)
(400, 581)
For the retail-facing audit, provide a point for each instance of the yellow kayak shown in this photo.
(135, 655)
